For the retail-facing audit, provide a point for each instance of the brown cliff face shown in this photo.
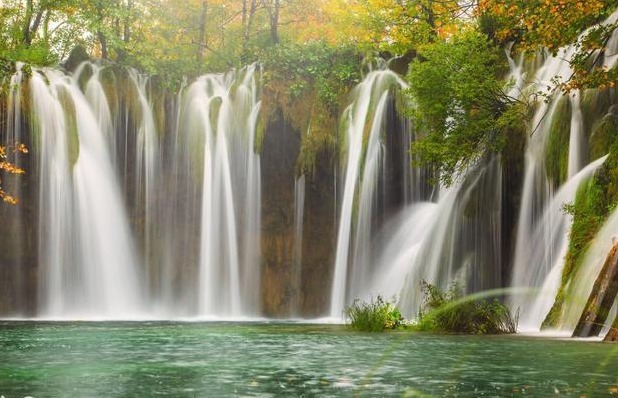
(283, 295)
(19, 232)
(278, 160)
(319, 238)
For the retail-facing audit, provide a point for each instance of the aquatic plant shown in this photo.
(375, 315)
(452, 312)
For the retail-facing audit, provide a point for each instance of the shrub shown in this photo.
(376, 315)
(449, 311)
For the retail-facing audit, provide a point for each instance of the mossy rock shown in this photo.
(71, 126)
(557, 149)
(78, 55)
(604, 134)
(595, 104)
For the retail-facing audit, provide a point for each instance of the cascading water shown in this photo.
(545, 252)
(222, 111)
(299, 216)
(369, 106)
(147, 215)
(86, 249)
(456, 239)
(543, 227)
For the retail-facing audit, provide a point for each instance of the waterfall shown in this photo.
(582, 282)
(543, 227)
(576, 140)
(540, 266)
(299, 216)
(456, 239)
(368, 107)
(151, 206)
(222, 110)
(87, 254)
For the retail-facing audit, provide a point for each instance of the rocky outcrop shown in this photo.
(601, 299)
(612, 334)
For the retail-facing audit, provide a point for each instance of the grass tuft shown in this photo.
(450, 312)
(375, 315)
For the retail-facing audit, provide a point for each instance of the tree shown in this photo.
(554, 24)
(273, 7)
(457, 102)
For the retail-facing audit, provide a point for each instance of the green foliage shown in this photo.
(458, 104)
(308, 82)
(450, 312)
(376, 315)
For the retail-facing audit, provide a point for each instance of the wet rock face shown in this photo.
(18, 236)
(281, 294)
(319, 239)
(281, 147)
(601, 299)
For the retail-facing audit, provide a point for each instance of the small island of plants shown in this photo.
(442, 311)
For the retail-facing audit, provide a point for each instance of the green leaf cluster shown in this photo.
(457, 102)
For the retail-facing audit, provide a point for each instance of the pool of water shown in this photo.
(111, 359)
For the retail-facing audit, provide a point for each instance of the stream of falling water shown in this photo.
(117, 241)
(368, 106)
(88, 258)
(223, 110)
(97, 163)
(543, 226)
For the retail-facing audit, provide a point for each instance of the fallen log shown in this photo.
(601, 299)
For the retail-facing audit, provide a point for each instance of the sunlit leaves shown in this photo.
(10, 168)
(553, 24)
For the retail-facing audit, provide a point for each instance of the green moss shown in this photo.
(603, 134)
(593, 203)
(307, 83)
(557, 149)
(595, 104)
(70, 120)
(259, 135)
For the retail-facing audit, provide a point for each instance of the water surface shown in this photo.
(129, 359)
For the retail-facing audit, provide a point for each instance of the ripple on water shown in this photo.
(291, 360)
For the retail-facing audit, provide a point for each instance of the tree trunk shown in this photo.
(35, 26)
(273, 9)
(100, 34)
(248, 11)
(201, 42)
(274, 23)
(127, 22)
(601, 299)
(103, 43)
(27, 21)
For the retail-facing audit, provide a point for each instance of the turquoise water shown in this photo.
(110, 359)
